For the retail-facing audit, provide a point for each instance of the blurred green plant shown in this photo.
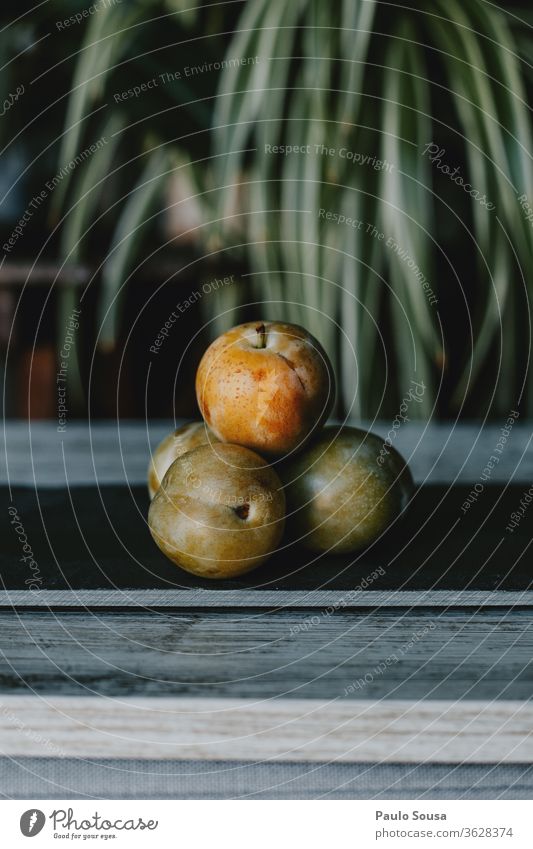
(375, 79)
(385, 81)
(110, 200)
(118, 44)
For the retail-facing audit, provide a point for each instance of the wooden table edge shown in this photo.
(272, 599)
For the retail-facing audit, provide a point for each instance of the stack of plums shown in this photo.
(261, 463)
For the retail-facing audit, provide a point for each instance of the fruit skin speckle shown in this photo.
(268, 389)
(339, 498)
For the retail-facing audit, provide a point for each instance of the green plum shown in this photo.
(344, 490)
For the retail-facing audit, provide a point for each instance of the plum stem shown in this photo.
(261, 332)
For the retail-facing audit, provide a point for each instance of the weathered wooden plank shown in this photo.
(276, 599)
(262, 655)
(117, 453)
(108, 778)
(279, 729)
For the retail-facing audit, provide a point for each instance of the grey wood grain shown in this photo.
(275, 599)
(263, 655)
(108, 778)
(279, 729)
(105, 453)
